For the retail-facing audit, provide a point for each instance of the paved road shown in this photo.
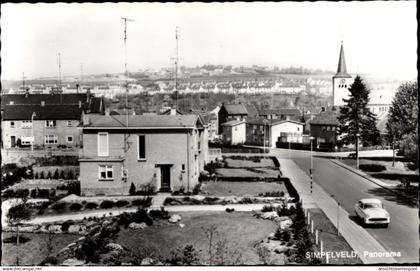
(402, 234)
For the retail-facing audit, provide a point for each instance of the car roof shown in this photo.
(370, 201)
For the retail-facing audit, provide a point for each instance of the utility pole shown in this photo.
(176, 68)
(125, 66)
(81, 78)
(23, 80)
(59, 71)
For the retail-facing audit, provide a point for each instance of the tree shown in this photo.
(15, 215)
(402, 122)
(356, 119)
(132, 190)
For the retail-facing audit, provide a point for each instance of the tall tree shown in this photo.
(402, 122)
(355, 118)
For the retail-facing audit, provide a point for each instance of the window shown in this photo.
(103, 144)
(69, 139)
(50, 123)
(12, 124)
(106, 173)
(183, 167)
(69, 123)
(298, 129)
(328, 128)
(333, 128)
(26, 124)
(51, 139)
(236, 128)
(141, 147)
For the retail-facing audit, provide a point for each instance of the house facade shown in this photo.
(324, 128)
(270, 131)
(234, 132)
(281, 113)
(167, 152)
(239, 111)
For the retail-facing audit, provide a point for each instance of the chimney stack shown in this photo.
(80, 104)
(42, 103)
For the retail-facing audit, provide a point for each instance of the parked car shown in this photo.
(372, 212)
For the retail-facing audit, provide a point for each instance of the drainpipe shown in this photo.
(188, 161)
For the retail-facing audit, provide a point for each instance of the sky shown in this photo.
(379, 37)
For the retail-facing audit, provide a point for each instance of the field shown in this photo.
(240, 230)
(33, 251)
(240, 188)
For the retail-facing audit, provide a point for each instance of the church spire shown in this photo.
(342, 69)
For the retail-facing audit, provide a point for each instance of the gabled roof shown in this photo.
(47, 112)
(342, 69)
(326, 118)
(235, 109)
(252, 111)
(233, 123)
(143, 121)
(280, 111)
(271, 122)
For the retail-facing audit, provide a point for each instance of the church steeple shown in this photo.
(342, 69)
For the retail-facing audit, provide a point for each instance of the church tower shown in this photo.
(341, 81)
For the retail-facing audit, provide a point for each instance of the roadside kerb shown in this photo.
(357, 237)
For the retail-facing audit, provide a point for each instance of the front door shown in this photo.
(165, 178)
(13, 141)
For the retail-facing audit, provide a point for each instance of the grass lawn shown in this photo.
(236, 163)
(33, 251)
(328, 235)
(241, 230)
(241, 188)
(248, 172)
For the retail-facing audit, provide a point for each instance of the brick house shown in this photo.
(168, 152)
(324, 129)
(239, 111)
(281, 113)
(273, 130)
(44, 120)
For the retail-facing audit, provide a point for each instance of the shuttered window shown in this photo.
(141, 147)
(103, 144)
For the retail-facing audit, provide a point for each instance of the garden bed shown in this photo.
(226, 188)
(201, 200)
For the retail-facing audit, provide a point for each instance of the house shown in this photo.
(234, 132)
(272, 130)
(45, 121)
(324, 129)
(281, 113)
(239, 111)
(168, 152)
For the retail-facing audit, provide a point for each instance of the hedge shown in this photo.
(290, 188)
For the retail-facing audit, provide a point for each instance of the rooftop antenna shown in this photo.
(60, 90)
(23, 80)
(176, 68)
(81, 77)
(125, 66)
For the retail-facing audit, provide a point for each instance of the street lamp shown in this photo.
(357, 150)
(311, 169)
(33, 136)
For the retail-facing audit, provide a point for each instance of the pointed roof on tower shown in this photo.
(342, 69)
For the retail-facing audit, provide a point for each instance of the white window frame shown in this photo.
(106, 169)
(47, 139)
(47, 123)
(70, 141)
(26, 124)
(69, 123)
(105, 153)
(138, 148)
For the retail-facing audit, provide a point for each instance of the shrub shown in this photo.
(41, 175)
(283, 211)
(272, 194)
(106, 204)
(372, 167)
(132, 190)
(159, 214)
(282, 235)
(142, 216)
(196, 189)
(91, 205)
(147, 189)
(33, 193)
(142, 202)
(125, 219)
(50, 260)
(56, 175)
(58, 206)
(70, 175)
(18, 193)
(62, 175)
(290, 188)
(36, 175)
(76, 206)
(43, 193)
(187, 255)
(66, 224)
(246, 200)
(122, 203)
(49, 175)
(267, 208)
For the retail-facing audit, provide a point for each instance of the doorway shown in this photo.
(165, 178)
(13, 141)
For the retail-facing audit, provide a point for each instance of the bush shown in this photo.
(272, 194)
(196, 189)
(50, 260)
(372, 167)
(159, 214)
(58, 206)
(142, 216)
(49, 175)
(70, 175)
(142, 202)
(146, 189)
(282, 235)
(56, 175)
(132, 190)
(267, 208)
(122, 203)
(76, 206)
(187, 255)
(43, 193)
(33, 193)
(106, 204)
(41, 175)
(246, 200)
(125, 219)
(36, 175)
(62, 175)
(18, 193)
(290, 188)
(66, 224)
(91, 205)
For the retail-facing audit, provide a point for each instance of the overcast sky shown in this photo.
(379, 37)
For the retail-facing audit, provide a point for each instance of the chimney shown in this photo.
(42, 103)
(173, 111)
(80, 104)
(27, 93)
